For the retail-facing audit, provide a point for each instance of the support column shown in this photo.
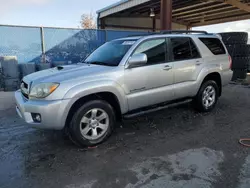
(154, 24)
(166, 14)
(189, 27)
(43, 60)
(102, 23)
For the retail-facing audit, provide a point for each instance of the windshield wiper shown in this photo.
(98, 63)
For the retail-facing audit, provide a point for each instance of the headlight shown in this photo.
(43, 90)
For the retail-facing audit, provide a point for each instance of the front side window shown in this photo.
(111, 53)
(155, 50)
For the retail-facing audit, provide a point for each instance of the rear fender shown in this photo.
(203, 74)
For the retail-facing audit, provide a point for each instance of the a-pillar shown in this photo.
(166, 14)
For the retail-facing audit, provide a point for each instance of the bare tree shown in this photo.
(88, 21)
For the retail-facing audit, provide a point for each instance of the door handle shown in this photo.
(167, 68)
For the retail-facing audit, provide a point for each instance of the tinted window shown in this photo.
(214, 45)
(111, 53)
(184, 48)
(181, 48)
(154, 49)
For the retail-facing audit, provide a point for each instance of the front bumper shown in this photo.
(52, 112)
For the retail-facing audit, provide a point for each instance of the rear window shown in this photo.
(214, 45)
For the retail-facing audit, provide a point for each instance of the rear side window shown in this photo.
(214, 45)
(183, 49)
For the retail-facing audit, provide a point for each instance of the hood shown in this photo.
(67, 72)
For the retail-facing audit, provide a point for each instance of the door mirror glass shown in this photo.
(137, 60)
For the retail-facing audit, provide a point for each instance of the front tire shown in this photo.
(92, 123)
(207, 97)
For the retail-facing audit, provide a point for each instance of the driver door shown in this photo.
(152, 83)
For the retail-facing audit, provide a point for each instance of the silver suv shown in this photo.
(124, 78)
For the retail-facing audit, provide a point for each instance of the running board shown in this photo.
(158, 108)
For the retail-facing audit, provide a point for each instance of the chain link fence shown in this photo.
(39, 48)
(31, 44)
(22, 42)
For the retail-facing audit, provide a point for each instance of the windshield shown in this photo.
(110, 53)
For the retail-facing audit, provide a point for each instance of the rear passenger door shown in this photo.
(187, 63)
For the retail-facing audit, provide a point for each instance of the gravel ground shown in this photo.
(173, 148)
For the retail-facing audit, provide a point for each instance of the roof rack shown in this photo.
(171, 32)
(183, 31)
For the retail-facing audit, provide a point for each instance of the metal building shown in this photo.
(171, 14)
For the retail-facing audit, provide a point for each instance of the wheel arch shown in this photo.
(109, 97)
(215, 76)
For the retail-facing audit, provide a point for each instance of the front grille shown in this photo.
(25, 89)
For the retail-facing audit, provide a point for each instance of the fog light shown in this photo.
(36, 117)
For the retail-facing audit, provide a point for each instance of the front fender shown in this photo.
(93, 87)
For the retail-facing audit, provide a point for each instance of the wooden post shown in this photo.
(154, 24)
(189, 27)
(166, 14)
(102, 23)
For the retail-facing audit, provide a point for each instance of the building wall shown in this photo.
(145, 24)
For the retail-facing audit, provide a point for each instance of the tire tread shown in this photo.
(234, 37)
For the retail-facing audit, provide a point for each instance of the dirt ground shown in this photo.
(174, 148)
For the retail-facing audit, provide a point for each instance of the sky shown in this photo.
(54, 13)
(67, 13)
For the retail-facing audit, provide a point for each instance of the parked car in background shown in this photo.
(124, 78)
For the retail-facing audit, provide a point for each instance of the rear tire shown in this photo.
(207, 97)
(92, 123)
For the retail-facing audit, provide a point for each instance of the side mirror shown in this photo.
(137, 60)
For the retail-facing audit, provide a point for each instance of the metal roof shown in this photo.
(111, 6)
(120, 6)
(185, 12)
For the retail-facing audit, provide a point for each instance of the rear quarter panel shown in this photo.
(218, 63)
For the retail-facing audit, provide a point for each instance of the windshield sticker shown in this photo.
(128, 43)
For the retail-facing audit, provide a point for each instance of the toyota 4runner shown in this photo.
(124, 78)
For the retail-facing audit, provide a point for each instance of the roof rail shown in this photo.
(170, 32)
(183, 31)
(143, 34)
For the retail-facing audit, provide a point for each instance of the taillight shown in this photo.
(230, 62)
